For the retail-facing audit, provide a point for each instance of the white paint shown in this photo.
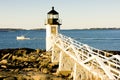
(50, 35)
(83, 56)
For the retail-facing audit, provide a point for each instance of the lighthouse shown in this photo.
(52, 27)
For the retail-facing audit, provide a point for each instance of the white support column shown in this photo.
(74, 72)
(60, 60)
(66, 63)
(55, 54)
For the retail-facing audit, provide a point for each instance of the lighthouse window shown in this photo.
(53, 30)
(55, 16)
(50, 16)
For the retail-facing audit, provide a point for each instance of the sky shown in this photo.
(75, 14)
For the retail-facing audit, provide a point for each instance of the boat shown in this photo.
(22, 38)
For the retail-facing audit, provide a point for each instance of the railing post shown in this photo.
(74, 72)
(65, 52)
(60, 61)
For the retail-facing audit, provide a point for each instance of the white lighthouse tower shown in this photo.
(52, 27)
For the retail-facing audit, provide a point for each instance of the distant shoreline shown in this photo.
(94, 29)
(16, 29)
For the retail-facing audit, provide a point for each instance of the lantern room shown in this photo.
(53, 17)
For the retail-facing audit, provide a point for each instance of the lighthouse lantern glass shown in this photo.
(52, 16)
(55, 16)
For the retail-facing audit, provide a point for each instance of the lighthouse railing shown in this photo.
(85, 53)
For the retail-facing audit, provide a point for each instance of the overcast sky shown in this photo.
(73, 13)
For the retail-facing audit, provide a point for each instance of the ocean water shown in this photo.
(8, 39)
(101, 39)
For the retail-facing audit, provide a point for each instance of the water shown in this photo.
(37, 39)
(101, 39)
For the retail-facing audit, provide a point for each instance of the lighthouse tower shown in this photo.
(52, 27)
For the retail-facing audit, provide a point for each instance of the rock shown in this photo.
(9, 56)
(20, 52)
(45, 70)
(41, 77)
(37, 51)
(32, 58)
(26, 64)
(13, 58)
(3, 61)
(23, 77)
(10, 78)
(19, 77)
(16, 70)
(36, 77)
(22, 59)
(5, 56)
(3, 66)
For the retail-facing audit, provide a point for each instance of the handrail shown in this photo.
(110, 61)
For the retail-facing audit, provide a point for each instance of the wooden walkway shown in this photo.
(84, 62)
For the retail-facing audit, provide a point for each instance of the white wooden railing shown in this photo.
(92, 58)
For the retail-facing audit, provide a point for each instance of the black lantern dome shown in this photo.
(53, 11)
(53, 17)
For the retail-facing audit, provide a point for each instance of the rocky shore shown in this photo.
(28, 64)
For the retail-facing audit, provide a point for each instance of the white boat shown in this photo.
(22, 38)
